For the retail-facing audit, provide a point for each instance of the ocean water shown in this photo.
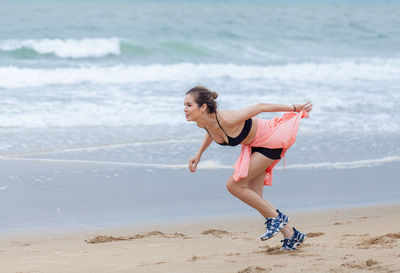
(102, 84)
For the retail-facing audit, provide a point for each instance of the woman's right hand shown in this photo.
(193, 163)
(306, 106)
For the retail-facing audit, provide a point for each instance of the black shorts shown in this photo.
(270, 153)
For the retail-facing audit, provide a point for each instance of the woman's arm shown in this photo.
(254, 110)
(196, 159)
(270, 107)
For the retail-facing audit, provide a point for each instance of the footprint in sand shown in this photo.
(314, 234)
(196, 258)
(368, 264)
(215, 232)
(386, 240)
(105, 239)
(251, 269)
(276, 250)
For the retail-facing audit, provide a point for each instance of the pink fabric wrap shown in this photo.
(279, 132)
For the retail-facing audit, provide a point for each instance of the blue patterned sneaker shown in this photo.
(274, 225)
(293, 242)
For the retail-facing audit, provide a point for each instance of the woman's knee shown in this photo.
(234, 187)
(230, 185)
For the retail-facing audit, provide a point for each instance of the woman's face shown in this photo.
(192, 110)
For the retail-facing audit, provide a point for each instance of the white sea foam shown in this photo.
(212, 165)
(81, 114)
(345, 165)
(68, 48)
(373, 69)
(92, 162)
(108, 147)
(62, 98)
(116, 112)
(323, 165)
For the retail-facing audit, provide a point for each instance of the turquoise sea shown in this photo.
(92, 130)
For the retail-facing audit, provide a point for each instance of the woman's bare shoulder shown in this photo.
(226, 116)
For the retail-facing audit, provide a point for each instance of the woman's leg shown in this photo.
(252, 195)
(257, 185)
(255, 182)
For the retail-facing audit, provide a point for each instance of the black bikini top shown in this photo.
(233, 141)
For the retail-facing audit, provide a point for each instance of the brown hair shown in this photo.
(203, 95)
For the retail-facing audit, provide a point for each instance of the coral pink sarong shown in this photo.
(279, 132)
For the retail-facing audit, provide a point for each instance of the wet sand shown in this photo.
(363, 239)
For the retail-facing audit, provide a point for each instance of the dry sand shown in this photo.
(363, 239)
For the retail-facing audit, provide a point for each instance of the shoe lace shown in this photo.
(285, 242)
(269, 221)
(288, 242)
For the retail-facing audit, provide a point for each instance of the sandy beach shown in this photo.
(362, 239)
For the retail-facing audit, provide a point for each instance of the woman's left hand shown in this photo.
(307, 107)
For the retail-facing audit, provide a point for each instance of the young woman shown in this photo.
(264, 143)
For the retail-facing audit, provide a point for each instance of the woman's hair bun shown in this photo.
(214, 95)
